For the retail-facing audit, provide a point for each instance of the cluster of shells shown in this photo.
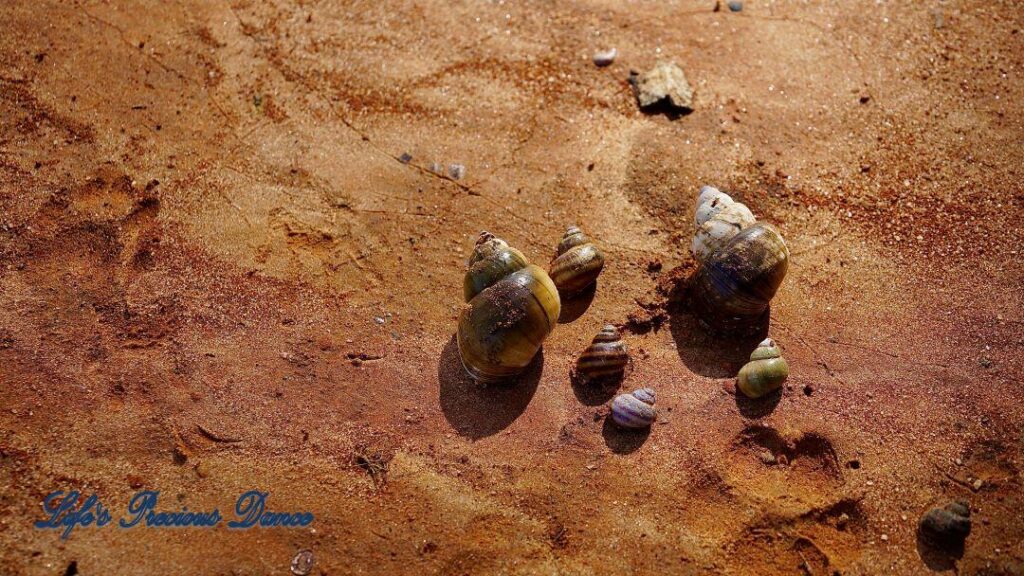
(513, 305)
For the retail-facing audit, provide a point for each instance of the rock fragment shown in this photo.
(666, 85)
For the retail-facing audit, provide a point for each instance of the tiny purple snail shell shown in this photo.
(634, 410)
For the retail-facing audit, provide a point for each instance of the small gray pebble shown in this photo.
(735, 6)
(456, 171)
(405, 158)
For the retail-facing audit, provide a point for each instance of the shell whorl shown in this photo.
(766, 371)
(634, 410)
(645, 395)
(606, 356)
(718, 218)
(577, 263)
(573, 237)
(766, 350)
(492, 259)
(709, 201)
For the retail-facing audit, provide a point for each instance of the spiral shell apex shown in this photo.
(606, 357)
(718, 218)
(742, 263)
(577, 263)
(635, 410)
(512, 307)
(766, 371)
(492, 259)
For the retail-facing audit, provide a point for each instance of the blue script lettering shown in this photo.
(251, 511)
(142, 508)
(63, 512)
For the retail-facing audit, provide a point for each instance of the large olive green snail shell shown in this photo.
(512, 307)
(577, 263)
(765, 372)
(742, 263)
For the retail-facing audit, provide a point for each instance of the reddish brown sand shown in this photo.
(216, 274)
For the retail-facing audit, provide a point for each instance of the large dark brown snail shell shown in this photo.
(512, 307)
(606, 357)
(577, 264)
(734, 285)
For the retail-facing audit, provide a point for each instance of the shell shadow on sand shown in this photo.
(623, 440)
(594, 392)
(938, 558)
(474, 410)
(576, 305)
(703, 350)
(755, 408)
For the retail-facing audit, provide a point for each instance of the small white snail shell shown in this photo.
(718, 218)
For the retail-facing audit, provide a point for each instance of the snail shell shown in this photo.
(948, 526)
(512, 307)
(765, 372)
(577, 263)
(734, 285)
(606, 356)
(635, 410)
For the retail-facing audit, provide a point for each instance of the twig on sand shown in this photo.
(216, 437)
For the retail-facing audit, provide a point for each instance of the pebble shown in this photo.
(456, 171)
(978, 484)
(665, 83)
(436, 168)
(405, 158)
(605, 57)
(947, 527)
(302, 564)
(842, 521)
(735, 6)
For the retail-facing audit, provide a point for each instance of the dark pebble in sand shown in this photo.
(948, 526)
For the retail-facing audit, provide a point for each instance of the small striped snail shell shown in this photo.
(742, 263)
(606, 356)
(577, 263)
(765, 372)
(634, 410)
(512, 306)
